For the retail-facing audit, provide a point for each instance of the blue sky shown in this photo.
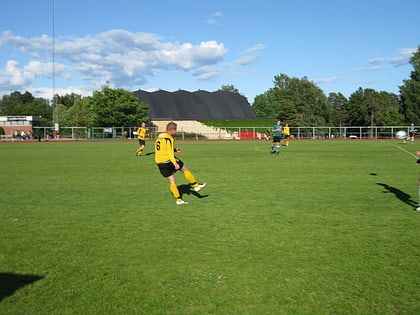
(133, 44)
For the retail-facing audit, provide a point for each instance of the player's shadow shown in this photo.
(188, 190)
(11, 282)
(404, 197)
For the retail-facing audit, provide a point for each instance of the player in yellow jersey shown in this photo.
(141, 135)
(286, 134)
(168, 164)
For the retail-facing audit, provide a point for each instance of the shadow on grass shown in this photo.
(187, 190)
(11, 282)
(404, 197)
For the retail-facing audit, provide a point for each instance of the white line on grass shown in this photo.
(259, 148)
(413, 155)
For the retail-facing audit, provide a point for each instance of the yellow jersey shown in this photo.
(286, 130)
(164, 148)
(141, 133)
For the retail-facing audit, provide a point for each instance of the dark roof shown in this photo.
(198, 105)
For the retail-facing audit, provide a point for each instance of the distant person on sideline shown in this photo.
(277, 131)
(411, 133)
(141, 136)
(168, 164)
(286, 134)
(418, 182)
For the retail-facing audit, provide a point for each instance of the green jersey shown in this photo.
(277, 131)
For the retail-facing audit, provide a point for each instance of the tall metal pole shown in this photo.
(55, 113)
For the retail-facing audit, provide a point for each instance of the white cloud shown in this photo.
(124, 58)
(374, 67)
(12, 76)
(207, 73)
(326, 80)
(215, 19)
(250, 55)
(402, 58)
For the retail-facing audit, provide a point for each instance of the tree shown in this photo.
(300, 101)
(355, 110)
(392, 115)
(117, 107)
(67, 100)
(410, 91)
(338, 104)
(367, 107)
(297, 101)
(263, 104)
(82, 113)
(18, 104)
(229, 88)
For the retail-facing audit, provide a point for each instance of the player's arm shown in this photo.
(170, 150)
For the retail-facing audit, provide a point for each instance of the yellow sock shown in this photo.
(190, 178)
(174, 190)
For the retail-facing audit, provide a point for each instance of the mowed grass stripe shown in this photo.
(325, 227)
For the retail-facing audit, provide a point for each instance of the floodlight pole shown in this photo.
(55, 113)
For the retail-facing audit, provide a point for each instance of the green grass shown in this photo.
(326, 227)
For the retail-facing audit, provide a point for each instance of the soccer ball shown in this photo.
(401, 134)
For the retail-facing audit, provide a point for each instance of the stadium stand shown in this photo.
(194, 126)
(198, 105)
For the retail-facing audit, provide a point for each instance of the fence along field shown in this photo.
(326, 227)
(224, 132)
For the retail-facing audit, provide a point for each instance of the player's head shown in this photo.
(171, 128)
(143, 124)
(278, 122)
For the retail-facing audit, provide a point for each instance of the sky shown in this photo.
(75, 46)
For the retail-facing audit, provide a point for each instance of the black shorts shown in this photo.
(142, 142)
(276, 139)
(167, 169)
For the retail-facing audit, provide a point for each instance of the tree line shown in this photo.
(298, 101)
(301, 103)
(105, 108)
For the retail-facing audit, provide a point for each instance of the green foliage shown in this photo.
(117, 107)
(259, 239)
(79, 114)
(308, 99)
(302, 103)
(367, 107)
(298, 101)
(339, 105)
(18, 104)
(67, 100)
(264, 104)
(410, 91)
(229, 88)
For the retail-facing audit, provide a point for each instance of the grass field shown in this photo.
(326, 227)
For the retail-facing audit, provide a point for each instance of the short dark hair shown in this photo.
(171, 126)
